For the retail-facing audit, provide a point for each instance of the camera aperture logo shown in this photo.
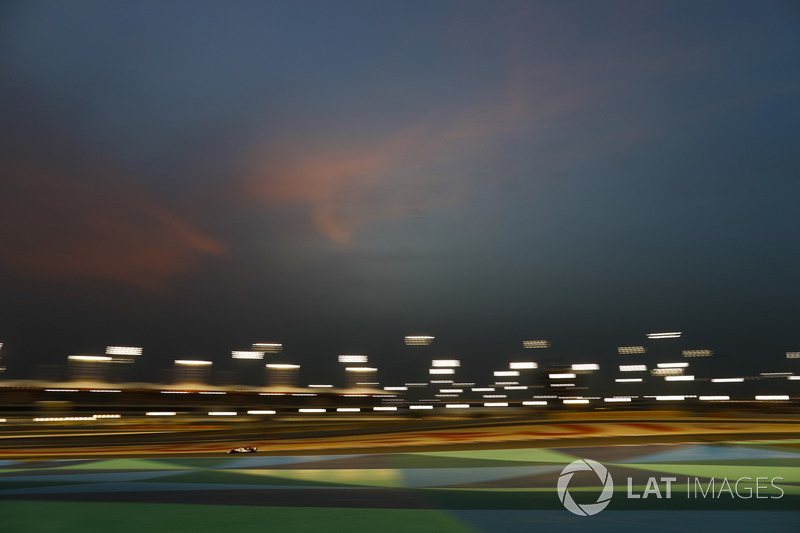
(591, 508)
(745, 488)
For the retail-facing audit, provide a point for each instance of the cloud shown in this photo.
(431, 162)
(62, 220)
(548, 101)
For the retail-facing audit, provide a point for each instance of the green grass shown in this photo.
(67, 517)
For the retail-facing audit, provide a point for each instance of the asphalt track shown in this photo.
(396, 436)
(450, 477)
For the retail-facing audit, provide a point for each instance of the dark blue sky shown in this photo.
(192, 177)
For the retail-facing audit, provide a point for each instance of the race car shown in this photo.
(244, 449)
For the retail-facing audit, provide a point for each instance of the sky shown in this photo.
(193, 177)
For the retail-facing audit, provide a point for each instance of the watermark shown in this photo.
(603, 475)
(745, 488)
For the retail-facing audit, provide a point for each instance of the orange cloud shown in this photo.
(60, 224)
(349, 187)
(346, 187)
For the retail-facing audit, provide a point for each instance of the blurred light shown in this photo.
(212, 392)
(320, 386)
(418, 340)
(257, 412)
(775, 374)
(192, 362)
(633, 368)
(666, 335)
(98, 358)
(446, 395)
(395, 388)
(522, 365)
(628, 380)
(247, 355)
(564, 375)
(562, 384)
(727, 380)
(222, 413)
(714, 398)
(483, 389)
(534, 402)
(123, 350)
(352, 358)
(618, 399)
(457, 406)
(672, 365)
(666, 371)
(772, 397)
(105, 390)
(679, 378)
(498, 383)
(628, 350)
(515, 387)
(65, 419)
(311, 410)
(697, 353)
(384, 408)
(97, 417)
(536, 343)
(281, 366)
(267, 347)
(360, 369)
(348, 410)
(160, 413)
(417, 384)
(495, 404)
(445, 363)
(585, 366)
(61, 390)
(506, 373)
(420, 407)
(304, 394)
(495, 396)
(452, 391)
(441, 371)
(789, 355)
(174, 392)
(793, 378)
(575, 401)
(669, 398)
(441, 382)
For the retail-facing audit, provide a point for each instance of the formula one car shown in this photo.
(244, 449)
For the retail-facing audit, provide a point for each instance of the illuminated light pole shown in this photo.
(665, 335)
(418, 340)
(121, 356)
(267, 347)
(192, 371)
(355, 373)
(345, 358)
(281, 374)
(536, 343)
(245, 359)
(89, 367)
(631, 350)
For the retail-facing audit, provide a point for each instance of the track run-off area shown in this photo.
(668, 474)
